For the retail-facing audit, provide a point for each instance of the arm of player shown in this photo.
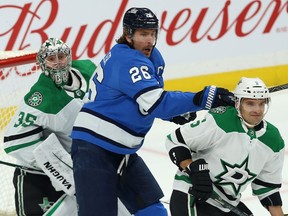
(198, 171)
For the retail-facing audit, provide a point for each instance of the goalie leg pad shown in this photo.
(56, 162)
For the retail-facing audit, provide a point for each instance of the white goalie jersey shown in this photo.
(44, 110)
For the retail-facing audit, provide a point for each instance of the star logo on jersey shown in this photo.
(35, 99)
(236, 175)
(46, 204)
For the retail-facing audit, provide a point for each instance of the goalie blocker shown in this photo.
(56, 163)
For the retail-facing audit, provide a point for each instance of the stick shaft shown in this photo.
(227, 205)
(278, 88)
(19, 166)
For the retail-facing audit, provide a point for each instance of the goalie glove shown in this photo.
(202, 184)
(184, 118)
(211, 97)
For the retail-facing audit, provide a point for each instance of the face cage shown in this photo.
(60, 76)
(238, 102)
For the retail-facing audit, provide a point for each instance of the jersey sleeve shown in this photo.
(23, 135)
(198, 135)
(269, 179)
(142, 81)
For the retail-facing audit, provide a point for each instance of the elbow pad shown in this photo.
(179, 153)
(272, 200)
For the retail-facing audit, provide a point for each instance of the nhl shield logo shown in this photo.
(35, 99)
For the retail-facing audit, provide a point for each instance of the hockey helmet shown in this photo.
(253, 88)
(58, 68)
(139, 18)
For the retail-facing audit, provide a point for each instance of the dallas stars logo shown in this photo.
(235, 175)
(46, 204)
(35, 99)
(218, 110)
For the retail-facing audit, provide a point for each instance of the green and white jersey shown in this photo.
(47, 109)
(236, 156)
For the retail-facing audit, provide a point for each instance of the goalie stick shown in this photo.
(19, 166)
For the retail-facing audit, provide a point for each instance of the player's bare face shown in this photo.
(58, 61)
(144, 40)
(253, 110)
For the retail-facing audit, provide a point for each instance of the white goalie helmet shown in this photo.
(54, 58)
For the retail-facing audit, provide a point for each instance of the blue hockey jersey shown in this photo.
(126, 95)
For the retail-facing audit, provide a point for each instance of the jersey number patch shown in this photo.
(25, 119)
(137, 75)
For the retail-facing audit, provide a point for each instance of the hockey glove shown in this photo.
(184, 118)
(223, 98)
(202, 184)
(211, 97)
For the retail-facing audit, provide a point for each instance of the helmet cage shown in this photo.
(59, 74)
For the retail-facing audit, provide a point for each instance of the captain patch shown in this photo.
(35, 99)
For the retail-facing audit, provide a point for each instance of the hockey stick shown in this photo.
(227, 205)
(19, 166)
(278, 88)
(218, 199)
(224, 204)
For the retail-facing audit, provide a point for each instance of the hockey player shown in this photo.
(240, 148)
(38, 136)
(127, 96)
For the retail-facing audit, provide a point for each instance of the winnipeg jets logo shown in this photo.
(235, 176)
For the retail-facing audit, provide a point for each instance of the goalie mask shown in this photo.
(251, 88)
(54, 58)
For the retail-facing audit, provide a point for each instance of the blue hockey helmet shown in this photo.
(139, 18)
